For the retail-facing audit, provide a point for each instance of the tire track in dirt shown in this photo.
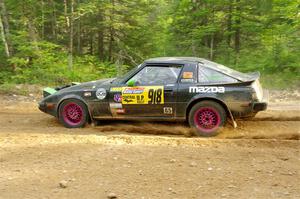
(22, 117)
(38, 123)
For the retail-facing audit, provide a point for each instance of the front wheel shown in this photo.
(73, 113)
(206, 118)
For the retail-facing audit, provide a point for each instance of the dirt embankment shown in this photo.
(41, 159)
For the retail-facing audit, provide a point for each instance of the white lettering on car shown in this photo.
(206, 89)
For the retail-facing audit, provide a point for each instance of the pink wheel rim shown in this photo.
(72, 114)
(207, 119)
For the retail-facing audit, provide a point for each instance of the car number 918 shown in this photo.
(154, 96)
(143, 95)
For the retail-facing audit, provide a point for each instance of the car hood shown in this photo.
(89, 85)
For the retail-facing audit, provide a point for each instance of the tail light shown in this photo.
(258, 92)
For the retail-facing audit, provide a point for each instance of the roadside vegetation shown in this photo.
(56, 42)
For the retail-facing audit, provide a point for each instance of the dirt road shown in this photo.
(41, 159)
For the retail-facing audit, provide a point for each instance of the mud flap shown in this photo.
(234, 124)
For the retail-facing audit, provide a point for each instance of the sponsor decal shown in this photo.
(101, 93)
(187, 80)
(206, 89)
(187, 75)
(118, 98)
(133, 90)
(143, 95)
(168, 110)
(87, 94)
(128, 98)
(120, 111)
(115, 105)
(116, 89)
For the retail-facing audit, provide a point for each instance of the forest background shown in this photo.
(53, 42)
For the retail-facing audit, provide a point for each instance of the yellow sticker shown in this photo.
(116, 89)
(143, 95)
(187, 75)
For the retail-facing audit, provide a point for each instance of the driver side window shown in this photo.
(157, 75)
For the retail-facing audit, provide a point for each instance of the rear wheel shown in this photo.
(206, 118)
(73, 113)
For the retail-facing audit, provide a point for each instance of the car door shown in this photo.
(187, 79)
(153, 93)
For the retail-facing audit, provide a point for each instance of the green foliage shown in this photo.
(282, 80)
(6, 88)
(111, 36)
(50, 70)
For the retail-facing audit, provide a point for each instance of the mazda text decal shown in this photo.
(206, 89)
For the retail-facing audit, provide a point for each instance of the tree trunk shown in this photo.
(229, 23)
(237, 37)
(79, 49)
(101, 45)
(43, 18)
(100, 38)
(32, 33)
(111, 43)
(3, 37)
(212, 36)
(54, 20)
(111, 32)
(119, 63)
(66, 16)
(92, 43)
(212, 39)
(71, 31)
(5, 27)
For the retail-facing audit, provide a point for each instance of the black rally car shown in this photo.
(190, 89)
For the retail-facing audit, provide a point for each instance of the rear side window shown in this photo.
(207, 75)
(189, 74)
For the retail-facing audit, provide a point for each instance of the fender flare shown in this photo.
(198, 99)
(73, 96)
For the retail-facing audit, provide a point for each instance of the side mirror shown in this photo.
(131, 83)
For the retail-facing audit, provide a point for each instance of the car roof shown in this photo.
(209, 64)
(174, 60)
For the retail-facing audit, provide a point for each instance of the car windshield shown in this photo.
(129, 73)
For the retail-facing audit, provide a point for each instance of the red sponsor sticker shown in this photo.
(120, 111)
(135, 90)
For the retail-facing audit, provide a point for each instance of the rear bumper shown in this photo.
(260, 106)
(263, 104)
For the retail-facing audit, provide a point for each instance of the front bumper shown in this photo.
(49, 108)
(263, 104)
(42, 106)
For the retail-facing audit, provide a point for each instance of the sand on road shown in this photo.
(41, 159)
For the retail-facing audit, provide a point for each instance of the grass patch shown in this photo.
(20, 89)
(284, 80)
(7, 88)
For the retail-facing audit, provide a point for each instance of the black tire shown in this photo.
(213, 118)
(74, 120)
